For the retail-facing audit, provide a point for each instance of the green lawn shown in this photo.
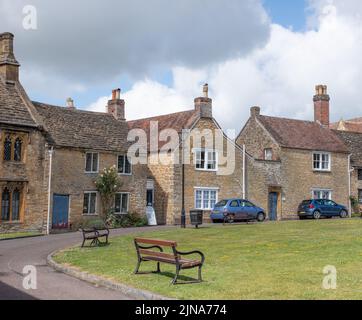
(259, 261)
(15, 235)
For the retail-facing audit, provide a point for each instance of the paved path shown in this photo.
(15, 254)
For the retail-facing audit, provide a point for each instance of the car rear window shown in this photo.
(222, 203)
(306, 202)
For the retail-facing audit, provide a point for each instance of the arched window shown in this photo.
(15, 216)
(7, 148)
(17, 149)
(5, 205)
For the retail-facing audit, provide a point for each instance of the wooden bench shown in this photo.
(95, 234)
(146, 252)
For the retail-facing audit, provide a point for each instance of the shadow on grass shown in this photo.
(182, 279)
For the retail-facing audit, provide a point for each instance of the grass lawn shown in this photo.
(259, 261)
(15, 235)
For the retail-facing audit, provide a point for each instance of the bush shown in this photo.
(127, 221)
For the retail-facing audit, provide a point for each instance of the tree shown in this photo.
(108, 184)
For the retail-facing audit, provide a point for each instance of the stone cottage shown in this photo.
(23, 151)
(294, 160)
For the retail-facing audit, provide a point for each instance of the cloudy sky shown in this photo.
(269, 53)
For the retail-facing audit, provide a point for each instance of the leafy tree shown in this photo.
(108, 184)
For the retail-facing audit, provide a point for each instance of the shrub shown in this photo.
(127, 221)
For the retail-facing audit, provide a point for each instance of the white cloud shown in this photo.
(279, 77)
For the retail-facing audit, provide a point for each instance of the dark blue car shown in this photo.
(319, 208)
(237, 210)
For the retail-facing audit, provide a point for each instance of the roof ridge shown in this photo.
(291, 119)
(162, 115)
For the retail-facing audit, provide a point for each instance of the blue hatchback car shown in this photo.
(237, 210)
(319, 208)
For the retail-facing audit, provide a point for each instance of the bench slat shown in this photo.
(151, 253)
(163, 243)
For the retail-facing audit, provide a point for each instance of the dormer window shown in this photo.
(124, 165)
(268, 154)
(321, 161)
(13, 148)
(92, 162)
(206, 160)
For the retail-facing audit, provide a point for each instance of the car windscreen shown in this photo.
(222, 203)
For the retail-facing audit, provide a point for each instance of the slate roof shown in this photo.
(298, 134)
(13, 109)
(83, 129)
(176, 121)
(354, 142)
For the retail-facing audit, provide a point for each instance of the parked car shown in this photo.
(319, 208)
(237, 210)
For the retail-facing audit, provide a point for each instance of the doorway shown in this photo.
(60, 218)
(273, 206)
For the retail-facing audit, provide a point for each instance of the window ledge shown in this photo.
(207, 170)
(322, 171)
(90, 214)
(125, 174)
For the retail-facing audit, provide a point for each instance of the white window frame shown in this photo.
(128, 200)
(92, 153)
(203, 189)
(321, 154)
(266, 150)
(207, 151)
(124, 165)
(96, 204)
(323, 190)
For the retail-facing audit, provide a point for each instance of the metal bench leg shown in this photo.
(200, 273)
(158, 268)
(138, 267)
(174, 281)
(83, 243)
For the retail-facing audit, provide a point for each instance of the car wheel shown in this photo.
(260, 217)
(344, 214)
(230, 219)
(316, 215)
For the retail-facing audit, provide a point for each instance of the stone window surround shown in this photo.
(14, 136)
(207, 151)
(128, 199)
(124, 165)
(360, 196)
(12, 187)
(203, 189)
(96, 204)
(85, 164)
(322, 153)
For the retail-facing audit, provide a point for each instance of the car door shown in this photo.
(234, 209)
(246, 210)
(333, 208)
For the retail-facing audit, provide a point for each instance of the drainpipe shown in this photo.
(51, 151)
(350, 170)
(244, 171)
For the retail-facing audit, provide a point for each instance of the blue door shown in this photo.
(60, 212)
(273, 206)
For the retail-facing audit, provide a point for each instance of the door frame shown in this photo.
(61, 195)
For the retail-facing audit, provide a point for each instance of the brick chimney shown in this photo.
(203, 105)
(70, 104)
(9, 66)
(321, 105)
(254, 112)
(116, 106)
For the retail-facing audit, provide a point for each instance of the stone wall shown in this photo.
(69, 178)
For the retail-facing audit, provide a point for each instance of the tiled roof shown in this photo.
(299, 134)
(176, 121)
(13, 109)
(83, 129)
(354, 142)
(354, 125)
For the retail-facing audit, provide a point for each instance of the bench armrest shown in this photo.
(87, 230)
(191, 253)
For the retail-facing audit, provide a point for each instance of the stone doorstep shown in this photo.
(131, 292)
